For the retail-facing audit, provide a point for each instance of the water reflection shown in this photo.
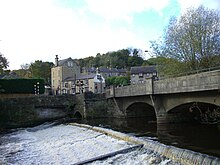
(194, 136)
(135, 126)
(197, 137)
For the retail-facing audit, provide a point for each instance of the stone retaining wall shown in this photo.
(32, 110)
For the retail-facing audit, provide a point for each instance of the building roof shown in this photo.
(143, 69)
(106, 70)
(11, 75)
(61, 62)
(80, 77)
(122, 70)
(69, 79)
(83, 77)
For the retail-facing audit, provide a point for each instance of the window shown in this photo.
(66, 85)
(99, 77)
(140, 75)
(70, 63)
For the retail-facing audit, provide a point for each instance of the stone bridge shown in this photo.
(179, 99)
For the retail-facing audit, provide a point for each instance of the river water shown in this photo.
(194, 136)
(68, 144)
(53, 143)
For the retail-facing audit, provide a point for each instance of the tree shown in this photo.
(42, 70)
(124, 58)
(3, 63)
(193, 39)
(24, 72)
(118, 80)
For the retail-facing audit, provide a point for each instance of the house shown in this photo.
(11, 75)
(84, 83)
(94, 83)
(105, 72)
(140, 74)
(63, 69)
(67, 79)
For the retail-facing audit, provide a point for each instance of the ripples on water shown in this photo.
(66, 144)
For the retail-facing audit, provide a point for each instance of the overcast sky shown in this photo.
(39, 29)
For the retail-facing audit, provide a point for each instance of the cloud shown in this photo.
(212, 4)
(39, 29)
(34, 30)
(123, 10)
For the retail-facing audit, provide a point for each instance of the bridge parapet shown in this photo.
(204, 81)
(197, 82)
(131, 90)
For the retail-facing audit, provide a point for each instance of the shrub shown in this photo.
(27, 86)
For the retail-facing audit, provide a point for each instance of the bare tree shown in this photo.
(194, 38)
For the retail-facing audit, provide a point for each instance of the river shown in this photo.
(194, 136)
(67, 144)
(53, 143)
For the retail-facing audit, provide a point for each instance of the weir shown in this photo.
(182, 156)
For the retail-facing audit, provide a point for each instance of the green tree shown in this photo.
(42, 70)
(124, 58)
(193, 39)
(118, 81)
(3, 63)
(24, 72)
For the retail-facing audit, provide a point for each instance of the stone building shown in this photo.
(93, 82)
(63, 69)
(67, 79)
(105, 72)
(140, 74)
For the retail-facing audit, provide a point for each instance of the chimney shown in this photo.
(97, 70)
(56, 60)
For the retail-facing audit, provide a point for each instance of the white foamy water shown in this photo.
(68, 144)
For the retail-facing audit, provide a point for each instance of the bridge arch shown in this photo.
(77, 115)
(141, 109)
(176, 100)
(195, 111)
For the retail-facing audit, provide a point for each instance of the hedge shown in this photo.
(25, 86)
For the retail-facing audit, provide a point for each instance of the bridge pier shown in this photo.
(161, 114)
(161, 104)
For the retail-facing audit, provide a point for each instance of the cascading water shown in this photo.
(68, 144)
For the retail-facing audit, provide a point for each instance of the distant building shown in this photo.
(84, 83)
(105, 72)
(11, 75)
(63, 69)
(67, 79)
(140, 74)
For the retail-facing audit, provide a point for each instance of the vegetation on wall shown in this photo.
(22, 86)
(38, 69)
